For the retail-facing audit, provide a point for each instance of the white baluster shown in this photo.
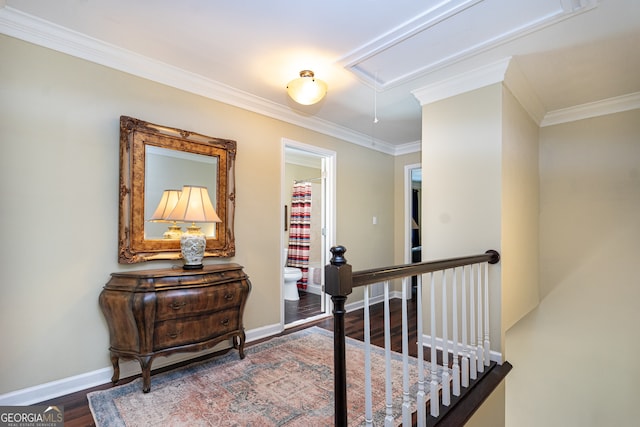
(388, 419)
(456, 367)
(473, 356)
(479, 349)
(421, 398)
(465, 348)
(368, 407)
(487, 342)
(406, 400)
(433, 396)
(446, 379)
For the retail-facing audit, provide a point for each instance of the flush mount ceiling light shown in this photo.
(306, 89)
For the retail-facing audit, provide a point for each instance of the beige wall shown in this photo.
(59, 186)
(461, 170)
(519, 237)
(367, 187)
(480, 191)
(575, 355)
(461, 160)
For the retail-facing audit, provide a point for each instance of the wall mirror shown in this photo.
(156, 158)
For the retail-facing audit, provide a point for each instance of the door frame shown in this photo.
(408, 187)
(408, 199)
(328, 158)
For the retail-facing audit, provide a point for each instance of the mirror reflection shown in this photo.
(167, 169)
(156, 159)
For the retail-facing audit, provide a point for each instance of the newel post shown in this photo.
(338, 284)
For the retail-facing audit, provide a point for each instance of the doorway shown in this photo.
(315, 168)
(413, 218)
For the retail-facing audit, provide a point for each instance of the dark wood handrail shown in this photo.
(375, 275)
(339, 283)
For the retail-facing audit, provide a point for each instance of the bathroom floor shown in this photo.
(308, 305)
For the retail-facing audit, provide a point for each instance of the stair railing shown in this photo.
(469, 355)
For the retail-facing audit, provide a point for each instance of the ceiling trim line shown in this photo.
(519, 85)
(397, 35)
(408, 148)
(465, 82)
(589, 110)
(352, 60)
(508, 72)
(22, 26)
(505, 71)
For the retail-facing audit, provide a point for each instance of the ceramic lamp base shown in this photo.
(174, 232)
(192, 246)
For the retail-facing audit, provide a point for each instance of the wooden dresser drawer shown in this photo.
(186, 302)
(211, 277)
(171, 333)
(154, 313)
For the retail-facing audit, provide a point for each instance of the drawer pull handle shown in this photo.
(225, 322)
(174, 335)
(228, 297)
(177, 305)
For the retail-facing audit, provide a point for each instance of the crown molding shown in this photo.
(508, 72)
(46, 34)
(464, 82)
(613, 105)
(517, 83)
(505, 71)
(408, 148)
(43, 33)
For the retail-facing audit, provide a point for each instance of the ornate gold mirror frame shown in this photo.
(213, 166)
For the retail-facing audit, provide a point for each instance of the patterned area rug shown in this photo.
(286, 381)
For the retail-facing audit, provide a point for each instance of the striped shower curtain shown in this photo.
(299, 231)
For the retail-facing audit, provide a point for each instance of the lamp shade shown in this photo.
(306, 89)
(194, 205)
(168, 202)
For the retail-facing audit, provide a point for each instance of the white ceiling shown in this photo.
(373, 54)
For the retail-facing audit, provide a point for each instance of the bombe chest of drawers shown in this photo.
(154, 313)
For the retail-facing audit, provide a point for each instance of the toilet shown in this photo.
(291, 277)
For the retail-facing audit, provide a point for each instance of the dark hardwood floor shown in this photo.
(76, 408)
(309, 305)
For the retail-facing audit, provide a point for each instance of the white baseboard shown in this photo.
(494, 356)
(53, 389)
(263, 332)
(313, 288)
(64, 386)
(128, 368)
(373, 300)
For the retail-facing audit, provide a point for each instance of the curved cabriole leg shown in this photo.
(116, 368)
(145, 365)
(240, 344)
